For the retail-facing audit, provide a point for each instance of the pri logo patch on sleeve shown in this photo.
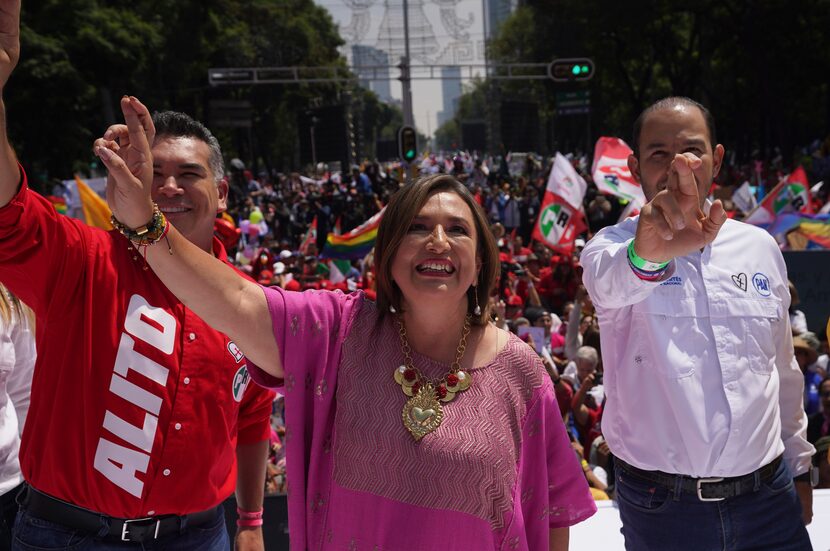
(240, 382)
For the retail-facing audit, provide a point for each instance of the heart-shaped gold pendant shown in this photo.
(422, 413)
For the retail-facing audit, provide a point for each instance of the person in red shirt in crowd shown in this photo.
(142, 419)
(558, 285)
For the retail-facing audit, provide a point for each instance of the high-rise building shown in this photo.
(497, 12)
(450, 92)
(367, 56)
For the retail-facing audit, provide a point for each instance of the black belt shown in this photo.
(54, 510)
(706, 489)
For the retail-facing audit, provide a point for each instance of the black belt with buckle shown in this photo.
(706, 489)
(54, 510)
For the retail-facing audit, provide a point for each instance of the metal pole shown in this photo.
(408, 118)
(313, 148)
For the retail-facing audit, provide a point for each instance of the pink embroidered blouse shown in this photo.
(498, 473)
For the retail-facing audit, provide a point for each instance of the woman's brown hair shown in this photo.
(402, 209)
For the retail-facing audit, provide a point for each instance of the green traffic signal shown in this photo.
(407, 143)
(571, 69)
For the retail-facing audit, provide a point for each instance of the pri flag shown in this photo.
(791, 195)
(558, 224)
(565, 182)
(610, 170)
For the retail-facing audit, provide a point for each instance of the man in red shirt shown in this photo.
(142, 418)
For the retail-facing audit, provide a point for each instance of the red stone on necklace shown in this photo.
(452, 379)
(442, 391)
(409, 375)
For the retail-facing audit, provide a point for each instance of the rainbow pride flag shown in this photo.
(354, 244)
(59, 203)
(813, 229)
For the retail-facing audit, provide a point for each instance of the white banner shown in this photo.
(744, 199)
(566, 183)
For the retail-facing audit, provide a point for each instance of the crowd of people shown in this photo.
(539, 295)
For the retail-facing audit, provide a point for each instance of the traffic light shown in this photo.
(566, 70)
(407, 143)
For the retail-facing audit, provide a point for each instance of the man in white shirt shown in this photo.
(704, 410)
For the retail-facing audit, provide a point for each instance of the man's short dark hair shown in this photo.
(670, 103)
(179, 125)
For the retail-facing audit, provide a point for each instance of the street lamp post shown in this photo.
(314, 121)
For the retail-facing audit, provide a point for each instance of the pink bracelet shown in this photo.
(248, 523)
(249, 515)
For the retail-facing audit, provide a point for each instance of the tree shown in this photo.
(80, 56)
(761, 67)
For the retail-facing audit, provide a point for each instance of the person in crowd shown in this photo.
(558, 285)
(818, 424)
(596, 477)
(798, 321)
(586, 404)
(822, 463)
(17, 362)
(698, 356)
(418, 387)
(805, 348)
(581, 319)
(128, 381)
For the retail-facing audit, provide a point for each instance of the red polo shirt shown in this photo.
(137, 405)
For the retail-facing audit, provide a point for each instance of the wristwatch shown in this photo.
(811, 476)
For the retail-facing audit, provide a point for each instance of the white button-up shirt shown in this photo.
(700, 375)
(17, 363)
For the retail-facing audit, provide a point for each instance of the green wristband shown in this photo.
(642, 263)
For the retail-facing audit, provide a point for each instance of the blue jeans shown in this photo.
(661, 519)
(34, 534)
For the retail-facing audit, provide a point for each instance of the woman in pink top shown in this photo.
(411, 424)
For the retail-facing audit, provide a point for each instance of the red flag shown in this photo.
(558, 224)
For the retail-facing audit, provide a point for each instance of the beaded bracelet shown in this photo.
(147, 234)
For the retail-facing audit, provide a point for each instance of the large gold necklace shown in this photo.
(423, 413)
